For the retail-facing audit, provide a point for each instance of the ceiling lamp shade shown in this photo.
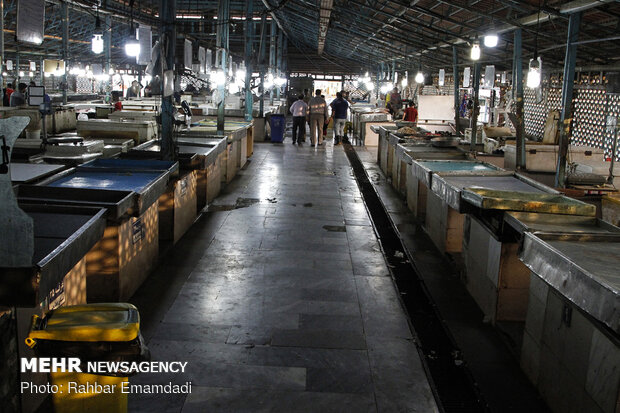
(419, 77)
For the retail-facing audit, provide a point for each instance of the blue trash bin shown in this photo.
(277, 124)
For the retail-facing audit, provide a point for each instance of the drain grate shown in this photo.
(452, 383)
(335, 228)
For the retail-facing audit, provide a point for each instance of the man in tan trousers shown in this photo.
(318, 115)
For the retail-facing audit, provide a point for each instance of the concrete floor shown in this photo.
(280, 299)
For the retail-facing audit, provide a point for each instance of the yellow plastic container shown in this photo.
(77, 331)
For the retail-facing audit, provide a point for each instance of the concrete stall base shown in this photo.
(495, 277)
(571, 358)
(444, 224)
(177, 207)
(118, 264)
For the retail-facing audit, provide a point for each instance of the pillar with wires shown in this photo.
(279, 61)
(272, 55)
(223, 27)
(107, 44)
(476, 109)
(457, 103)
(65, 48)
(168, 43)
(249, 41)
(568, 81)
(261, 62)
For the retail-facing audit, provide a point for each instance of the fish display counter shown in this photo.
(199, 157)
(419, 175)
(445, 207)
(239, 135)
(139, 131)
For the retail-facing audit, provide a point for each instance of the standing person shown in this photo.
(411, 113)
(299, 110)
(396, 102)
(18, 98)
(318, 115)
(339, 113)
(7, 94)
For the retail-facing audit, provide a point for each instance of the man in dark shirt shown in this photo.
(339, 113)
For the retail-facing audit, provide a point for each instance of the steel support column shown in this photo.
(474, 116)
(455, 71)
(261, 63)
(107, 47)
(518, 87)
(168, 46)
(379, 71)
(223, 16)
(249, 41)
(2, 48)
(65, 48)
(272, 56)
(568, 82)
(279, 60)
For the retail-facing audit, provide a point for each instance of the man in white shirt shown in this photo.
(299, 110)
(318, 116)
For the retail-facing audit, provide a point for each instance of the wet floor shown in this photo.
(280, 299)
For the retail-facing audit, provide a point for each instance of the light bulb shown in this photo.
(419, 77)
(475, 51)
(97, 43)
(30, 74)
(132, 48)
(534, 74)
(5, 74)
(490, 40)
(21, 74)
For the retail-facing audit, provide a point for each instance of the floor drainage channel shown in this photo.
(452, 383)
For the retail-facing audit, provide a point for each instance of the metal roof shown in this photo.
(360, 33)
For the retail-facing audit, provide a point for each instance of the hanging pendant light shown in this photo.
(475, 50)
(96, 43)
(534, 73)
(419, 77)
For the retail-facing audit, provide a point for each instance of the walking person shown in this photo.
(339, 113)
(299, 110)
(318, 115)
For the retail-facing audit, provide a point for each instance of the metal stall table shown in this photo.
(122, 260)
(139, 131)
(445, 207)
(236, 132)
(495, 278)
(571, 344)
(419, 175)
